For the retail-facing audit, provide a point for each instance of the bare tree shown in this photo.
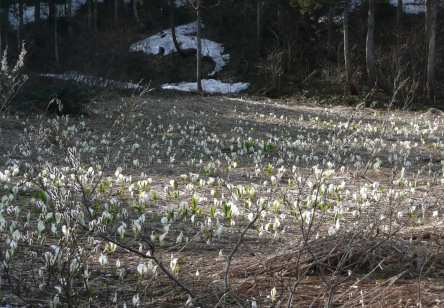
(428, 5)
(52, 18)
(56, 37)
(92, 14)
(399, 13)
(199, 47)
(259, 12)
(370, 45)
(90, 8)
(96, 15)
(37, 11)
(116, 12)
(331, 11)
(399, 16)
(197, 5)
(20, 24)
(68, 7)
(279, 19)
(432, 14)
(69, 16)
(135, 7)
(3, 27)
(172, 9)
(347, 47)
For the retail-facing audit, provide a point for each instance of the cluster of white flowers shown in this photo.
(80, 204)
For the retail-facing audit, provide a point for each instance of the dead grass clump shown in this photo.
(382, 258)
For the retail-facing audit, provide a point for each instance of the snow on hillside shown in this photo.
(211, 86)
(162, 44)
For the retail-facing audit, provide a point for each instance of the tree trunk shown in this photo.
(69, 18)
(347, 47)
(37, 11)
(51, 12)
(69, 8)
(279, 22)
(4, 28)
(96, 15)
(370, 45)
(172, 8)
(432, 15)
(52, 19)
(199, 48)
(136, 13)
(331, 12)
(428, 18)
(259, 7)
(116, 12)
(2, 31)
(56, 38)
(90, 8)
(399, 13)
(20, 24)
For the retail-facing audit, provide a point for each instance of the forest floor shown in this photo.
(378, 245)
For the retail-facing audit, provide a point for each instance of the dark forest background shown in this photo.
(335, 50)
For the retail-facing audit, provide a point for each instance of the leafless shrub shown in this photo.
(12, 79)
(405, 90)
(272, 70)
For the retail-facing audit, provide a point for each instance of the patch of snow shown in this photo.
(93, 81)
(409, 6)
(28, 15)
(162, 43)
(412, 7)
(77, 4)
(180, 3)
(336, 19)
(209, 86)
(29, 12)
